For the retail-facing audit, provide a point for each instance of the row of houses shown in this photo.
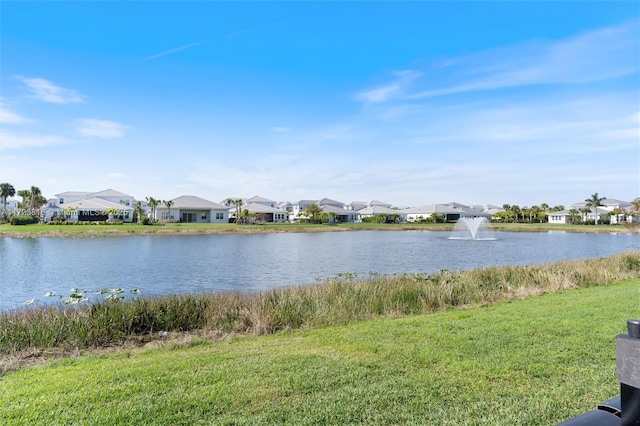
(111, 205)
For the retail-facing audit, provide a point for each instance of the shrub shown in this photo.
(24, 220)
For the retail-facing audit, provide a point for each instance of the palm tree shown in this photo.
(238, 203)
(516, 210)
(6, 190)
(574, 212)
(138, 212)
(35, 193)
(507, 211)
(168, 203)
(594, 202)
(635, 206)
(544, 206)
(312, 212)
(25, 194)
(152, 203)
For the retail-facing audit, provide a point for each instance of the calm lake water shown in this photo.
(30, 267)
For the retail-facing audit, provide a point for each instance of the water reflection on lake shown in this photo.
(30, 267)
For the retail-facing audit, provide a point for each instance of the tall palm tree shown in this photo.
(35, 193)
(168, 203)
(25, 194)
(238, 204)
(138, 212)
(594, 202)
(6, 190)
(152, 203)
(635, 206)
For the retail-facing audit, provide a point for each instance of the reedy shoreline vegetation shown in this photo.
(338, 300)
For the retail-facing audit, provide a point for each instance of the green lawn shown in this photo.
(537, 361)
(203, 228)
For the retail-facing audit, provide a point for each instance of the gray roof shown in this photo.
(379, 203)
(74, 194)
(433, 208)
(374, 210)
(95, 204)
(329, 208)
(330, 202)
(110, 193)
(258, 199)
(261, 208)
(193, 202)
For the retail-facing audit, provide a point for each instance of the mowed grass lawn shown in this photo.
(537, 361)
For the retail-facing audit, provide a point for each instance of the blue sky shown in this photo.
(405, 102)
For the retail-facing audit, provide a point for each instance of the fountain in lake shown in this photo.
(471, 228)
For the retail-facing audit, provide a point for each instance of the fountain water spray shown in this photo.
(470, 227)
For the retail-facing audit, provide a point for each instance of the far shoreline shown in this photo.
(110, 230)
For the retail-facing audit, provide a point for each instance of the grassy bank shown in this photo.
(47, 230)
(537, 362)
(338, 301)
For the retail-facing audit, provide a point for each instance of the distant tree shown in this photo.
(6, 190)
(508, 212)
(138, 212)
(152, 203)
(35, 192)
(595, 201)
(26, 195)
(516, 211)
(168, 203)
(238, 205)
(585, 212)
(313, 212)
(544, 207)
(333, 217)
(635, 206)
(573, 213)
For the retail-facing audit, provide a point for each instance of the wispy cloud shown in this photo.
(174, 50)
(402, 79)
(46, 91)
(105, 129)
(196, 44)
(596, 55)
(13, 141)
(9, 117)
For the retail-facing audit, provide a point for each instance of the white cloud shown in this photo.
(46, 91)
(9, 117)
(170, 51)
(21, 141)
(596, 55)
(402, 79)
(105, 129)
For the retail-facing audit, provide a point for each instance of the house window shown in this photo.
(203, 216)
(61, 200)
(219, 216)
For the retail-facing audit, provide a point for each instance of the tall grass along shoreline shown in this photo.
(337, 300)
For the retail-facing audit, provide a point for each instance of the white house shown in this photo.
(265, 213)
(418, 214)
(107, 205)
(371, 211)
(192, 209)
